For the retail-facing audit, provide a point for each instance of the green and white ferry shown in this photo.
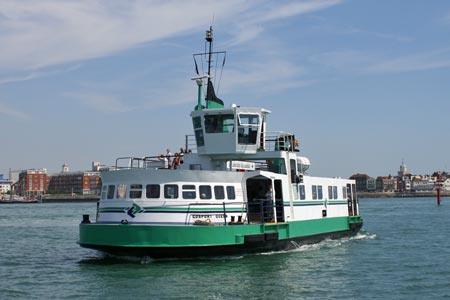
(242, 189)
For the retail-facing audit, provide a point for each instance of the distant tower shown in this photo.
(65, 168)
(403, 171)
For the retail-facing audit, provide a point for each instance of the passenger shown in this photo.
(268, 204)
(164, 160)
(176, 161)
(182, 152)
(169, 155)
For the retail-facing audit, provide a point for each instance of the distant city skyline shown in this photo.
(362, 84)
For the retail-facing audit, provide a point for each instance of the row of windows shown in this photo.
(171, 191)
(317, 192)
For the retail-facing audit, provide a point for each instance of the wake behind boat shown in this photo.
(244, 189)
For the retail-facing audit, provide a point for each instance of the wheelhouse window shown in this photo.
(111, 190)
(221, 123)
(344, 192)
(330, 192)
(319, 192)
(219, 192)
(248, 129)
(188, 191)
(198, 130)
(230, 193)
(205, 192)
(171, 191)
(335, 194)
(121, 191)
(302, 192)
(152, 191)
(136, 191)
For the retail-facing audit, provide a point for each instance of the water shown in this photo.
(402, 253)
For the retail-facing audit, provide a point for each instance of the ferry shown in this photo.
(239, 188)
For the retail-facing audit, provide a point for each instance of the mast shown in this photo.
(212, 101)
(209, 39)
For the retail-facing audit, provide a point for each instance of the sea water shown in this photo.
(403, 252)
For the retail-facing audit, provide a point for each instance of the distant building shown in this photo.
(403, 170)
(446, 184)
(422, 184)
(386, 183)
(5, 185)
(403, 179)
(361, 181)
(98, 167)
(81, 183)
(65, 168)
(32, 182)
(371, 184)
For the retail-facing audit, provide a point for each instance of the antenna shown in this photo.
(209, 39)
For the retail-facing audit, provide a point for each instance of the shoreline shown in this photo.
(432, 194)
(361, 195)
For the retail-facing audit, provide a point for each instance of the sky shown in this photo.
(363, 84)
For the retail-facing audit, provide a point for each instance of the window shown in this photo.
(330, 192)
(344, 192)
(230, 193)
(197, 122)
(302, 192)
(219, 123)
(335, 196)
(219, 192)
(205, 192)
(189, 191)
(248, 119)
(152, 191)
(104, 189)
(293, 171)
(135, 191)
(121, 191)
(319, 192)
(248, 128)
(111, 189)
(171, 191)
(314, 192)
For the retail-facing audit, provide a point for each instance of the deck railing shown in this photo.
(273, 141)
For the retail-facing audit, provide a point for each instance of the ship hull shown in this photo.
(194, 241)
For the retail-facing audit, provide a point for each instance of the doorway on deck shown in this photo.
(261, 192)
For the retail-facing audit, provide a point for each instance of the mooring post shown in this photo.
(438, 189)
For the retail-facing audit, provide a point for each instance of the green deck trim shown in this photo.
(138, 235)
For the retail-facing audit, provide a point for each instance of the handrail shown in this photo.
(147, 162)
(279, 141)
(223, 203)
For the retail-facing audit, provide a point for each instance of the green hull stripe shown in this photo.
(133, 235)
(315, 202)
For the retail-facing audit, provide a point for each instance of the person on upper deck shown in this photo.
(182, 152)
(169, 156)
(176, 161)
(164, 160)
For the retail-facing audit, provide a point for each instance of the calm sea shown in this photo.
(402, 253)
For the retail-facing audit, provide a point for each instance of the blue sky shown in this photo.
(362, 83)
